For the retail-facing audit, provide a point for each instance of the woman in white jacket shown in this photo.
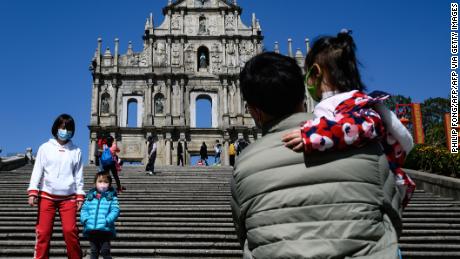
(57, 184)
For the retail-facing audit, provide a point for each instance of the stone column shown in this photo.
(182, 13)
(95, 103)
(92, 147)
(224, 47)
(226, 158)
(174, 152)
(225, 103)
(237, 19)
(115, 57)
(148, 104)
(187, 106)
(168, 102)
(169, 52)
(239, 98)
(181, 103)
(182, 56)
(99, 50)
(225, 86)
(168, 142)
(113, 110)
(237, 54)
(183, 141)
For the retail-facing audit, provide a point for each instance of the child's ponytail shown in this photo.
(336, 55)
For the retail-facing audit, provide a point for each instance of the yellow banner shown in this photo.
(418, 126)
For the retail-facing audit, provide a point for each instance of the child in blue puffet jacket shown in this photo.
(98, 215)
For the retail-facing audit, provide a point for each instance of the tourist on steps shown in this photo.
(98, 215)
(57, 184)
(180, 154)
(217, 153)
(232, 153)
(110, 162)
(204, 153)
(152, 155)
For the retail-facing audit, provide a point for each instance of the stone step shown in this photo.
(137, 224)
(128, 244)
(33, 219)
(133, 203)
(209, 253)
(433, 205)
(430, 232)
(430, 247)
(185, 213)
(431, 219)
(136, 236)
(429, 239)
(127, 214)
(430, 209)
(136, 208)
(430, 254)
(431, 214)
(134, 229)
(431, 226)
(18, 201)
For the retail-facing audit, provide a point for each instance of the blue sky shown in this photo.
(46, 47)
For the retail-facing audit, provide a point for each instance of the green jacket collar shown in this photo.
(287, 122)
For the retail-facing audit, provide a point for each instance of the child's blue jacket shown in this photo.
(100, 214)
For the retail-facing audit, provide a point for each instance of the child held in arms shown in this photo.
(345, 116)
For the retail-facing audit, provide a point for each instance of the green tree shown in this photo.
(396, 99)
(433, 110)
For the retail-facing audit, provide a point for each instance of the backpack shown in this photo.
(232, 150)
(106, 157)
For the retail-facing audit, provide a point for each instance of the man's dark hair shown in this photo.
(67, 120)
(273, 83)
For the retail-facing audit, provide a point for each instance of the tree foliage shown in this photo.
(433, 110)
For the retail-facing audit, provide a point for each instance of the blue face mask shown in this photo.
(64, 134)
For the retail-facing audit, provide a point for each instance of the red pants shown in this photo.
(44, 228)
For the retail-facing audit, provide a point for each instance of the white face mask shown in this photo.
(102, 187)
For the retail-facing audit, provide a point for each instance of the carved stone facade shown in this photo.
(197, 52)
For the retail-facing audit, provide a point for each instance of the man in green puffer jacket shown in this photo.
(330, 205)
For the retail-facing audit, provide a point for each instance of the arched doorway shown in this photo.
(204, 98)
(131, 120)
(132, 111)
(203, 111)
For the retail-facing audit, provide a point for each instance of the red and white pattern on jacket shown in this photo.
(356, 123)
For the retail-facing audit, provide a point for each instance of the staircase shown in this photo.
(185, 213)
(431, 227)
(177, 213)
